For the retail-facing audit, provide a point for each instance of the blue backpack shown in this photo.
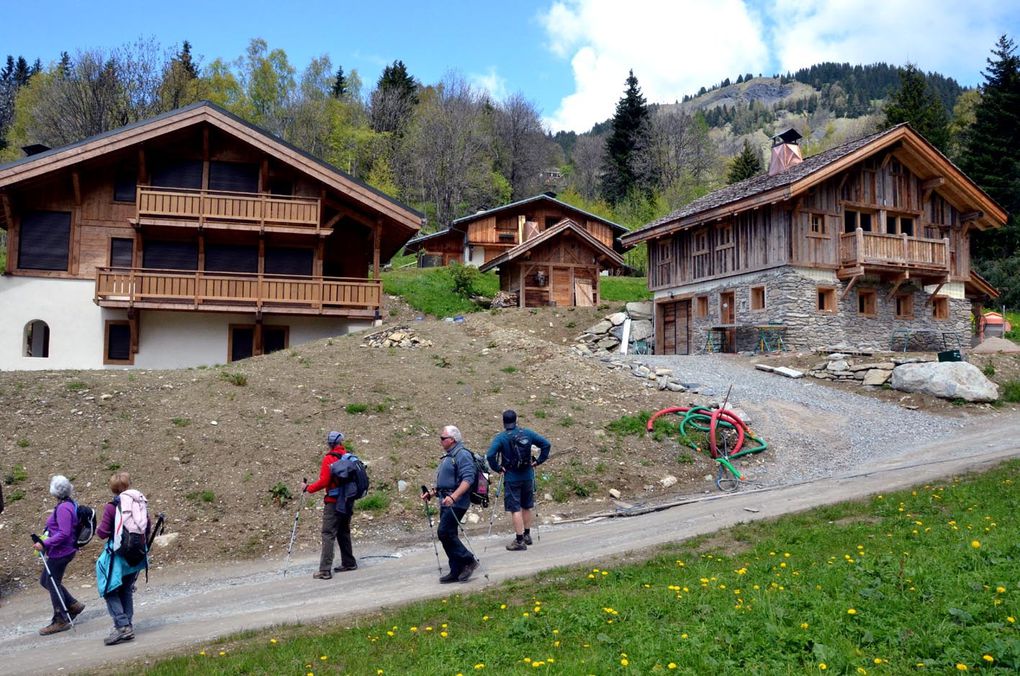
(349, 468)
(519, 454)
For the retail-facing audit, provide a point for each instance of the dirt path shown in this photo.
(187, 607)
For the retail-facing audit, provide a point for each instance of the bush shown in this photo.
(376, 502)
(988, 370)
(356, 408)
(16, 475)
(465, 278)
(1011, 391)
(234, 378)
(281, 494)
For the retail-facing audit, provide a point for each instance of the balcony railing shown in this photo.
(238, 209)
(868, 249)
(231, 291)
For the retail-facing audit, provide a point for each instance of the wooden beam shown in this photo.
(135, 322)
(971, 216)
(934, 293)
(328, 225)
(143, 171)
(5, 199)
(899, 282)
(76, 186)
(846, 290)
(376, 241)
(933, 183)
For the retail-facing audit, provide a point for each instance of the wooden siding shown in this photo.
(234, 291)
(562, 272)
(488, 230)
(199, 206)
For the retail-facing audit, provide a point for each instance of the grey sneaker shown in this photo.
(527, 539)
(119, 635)
(516, 546)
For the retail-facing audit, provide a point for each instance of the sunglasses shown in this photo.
(444, 438)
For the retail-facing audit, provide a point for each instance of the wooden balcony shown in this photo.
(237, 292)
(228, 210)
(861, 252)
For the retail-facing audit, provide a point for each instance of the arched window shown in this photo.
(37, 339)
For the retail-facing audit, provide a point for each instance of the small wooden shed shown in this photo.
(559, 266)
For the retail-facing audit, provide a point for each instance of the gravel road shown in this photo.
(812, 430)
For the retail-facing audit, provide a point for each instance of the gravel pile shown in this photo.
(812, 430)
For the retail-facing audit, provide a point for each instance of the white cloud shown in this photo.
(946, 36)
(490, 81)
(673, 47)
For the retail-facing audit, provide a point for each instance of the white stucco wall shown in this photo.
(474, 255)
(166, 339)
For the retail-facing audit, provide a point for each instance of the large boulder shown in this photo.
(640, 309)
(949, 380)
(641, 329)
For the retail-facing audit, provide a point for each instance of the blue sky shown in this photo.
(569, 56)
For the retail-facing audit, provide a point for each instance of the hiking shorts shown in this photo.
(519, 495)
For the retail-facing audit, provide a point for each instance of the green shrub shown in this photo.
(77, 386)
(464, 278)
(509, 369)
(234, 378)
(1011, 391)
(202, 496)
(281, 494)
(16, 475)
(376, 502)
(988, 370)
(24, 443)
(181, 422)
(353, 409)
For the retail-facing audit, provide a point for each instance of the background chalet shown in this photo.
(191, 238)
(865, 245)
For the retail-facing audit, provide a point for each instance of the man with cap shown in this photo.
(336, 520)
(510, 455)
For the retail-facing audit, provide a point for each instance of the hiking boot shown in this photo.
(54, 627)
(516, 546)
(527, 539)
(322, 575)
(75, 609)
(344, 569)
(448, 578)
(469, 568)
(119, 635)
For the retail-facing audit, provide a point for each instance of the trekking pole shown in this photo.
(293, 530)
(425, 507)
(56, 587)
(534, 511)
(492, 512)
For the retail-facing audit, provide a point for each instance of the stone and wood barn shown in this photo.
(485, 235)
(190, 238)
(866, 245)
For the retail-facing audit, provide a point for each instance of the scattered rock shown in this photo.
(617, 318)
(667, 481)
(166, 540)
(877, 377)
(949, 380)
(401, 486)
(641, 310)
(615, 494)
(768, 369)
(788, 372)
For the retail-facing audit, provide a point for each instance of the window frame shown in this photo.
(940, 308)
(818, 218)
(757, 293)
(230, 341)
(107, 360)
(114, 238)
(825, 299)
(908, 301)
(867, 295)
(701, 307)
(724, 231)
(26, 343)
(699, 242)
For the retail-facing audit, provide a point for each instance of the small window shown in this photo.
(44, 240)
(118, 343)
(241, 343)
(664, 248)
(701, 307)
(550, 221)
(905, 306)
(826, 299)
(725, 237)
(701, 242)
(757, 297)
(274, 338)
(37, 339)
(125, 185)
(899, 225)
(818, 224)
(865, 222)
(867, 303)
(122, 252)
(940, 307)
(856, 219)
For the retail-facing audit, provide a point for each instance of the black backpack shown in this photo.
(479, 492)
(346, 469)
(519, 455)
(84, 524)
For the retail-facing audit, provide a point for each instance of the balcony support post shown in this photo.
(859, 245)
(899, 282)
(376, 238)
(850, 285)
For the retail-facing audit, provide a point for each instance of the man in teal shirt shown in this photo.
(510, 455)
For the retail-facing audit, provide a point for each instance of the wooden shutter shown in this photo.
(178, 174)
(118, 342)
(231, 258)
(288, 261)
(125, 185)
(233, 177)
(170, 255)
(44, 240)
(122, 252)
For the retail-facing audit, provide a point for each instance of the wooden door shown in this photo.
(727, 309)
(675, 333)
(584, 295)
(562, 287)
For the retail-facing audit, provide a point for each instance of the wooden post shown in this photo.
(859, 244)
(76, 186)
(143, 172)
(520, 282)
(12, 233)
(949, 259)
(906, 248)
(257, 347)
(376, 239)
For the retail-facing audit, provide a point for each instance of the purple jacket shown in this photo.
(60, 527)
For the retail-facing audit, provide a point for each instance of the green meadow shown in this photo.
(920, 581)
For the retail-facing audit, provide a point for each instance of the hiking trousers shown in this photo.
(57, 567)
(336, 527)
(120, 602)
(456, 552)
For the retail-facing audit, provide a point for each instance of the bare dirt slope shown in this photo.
(188, 606)
(208, 445)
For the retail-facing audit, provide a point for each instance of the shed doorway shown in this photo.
(675, 334)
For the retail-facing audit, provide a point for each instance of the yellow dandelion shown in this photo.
(323, 657)
(272, 640)
(879, 660)
(527, 660)
(671, 665)
(988, 658)
(428, 628)
(861, 670)
(804, 625)
(443, 625)
(976, 544)
(485, 618)
(389, 633)
(222, 653)
(822, 666)
(684, 636)
(525, 614)
(414, 629)
(379, 672)
(851, 611)
(480, 665)
(502, 606)
(556, 631)
(443, 634)
(202, 653)
(1000, 590)
(961, 667)
(624, 661)
(1011, 619)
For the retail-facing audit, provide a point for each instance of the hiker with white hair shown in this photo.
(59, 545)
(454, 478)
(336, 516)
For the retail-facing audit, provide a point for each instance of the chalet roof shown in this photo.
(550, 234)
(414, 243)
(206, 111)
(764, 189)
(616, 227)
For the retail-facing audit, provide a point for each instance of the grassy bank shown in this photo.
(920, 581)
(431, 290)
(624, 289)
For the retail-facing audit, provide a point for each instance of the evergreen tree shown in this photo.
(186, 62)
(991, 157)
(916, 104)
(629, 128)
(340, 86)
(745, 165)
(394, 98)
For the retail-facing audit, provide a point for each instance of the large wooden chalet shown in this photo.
(191, 238)
(485, 235)
(866, 245)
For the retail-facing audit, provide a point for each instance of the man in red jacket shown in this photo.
(336, 524)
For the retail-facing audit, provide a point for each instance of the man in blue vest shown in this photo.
(510, 455)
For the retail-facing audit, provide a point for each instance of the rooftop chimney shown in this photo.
(34, 149)
(785, 152)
